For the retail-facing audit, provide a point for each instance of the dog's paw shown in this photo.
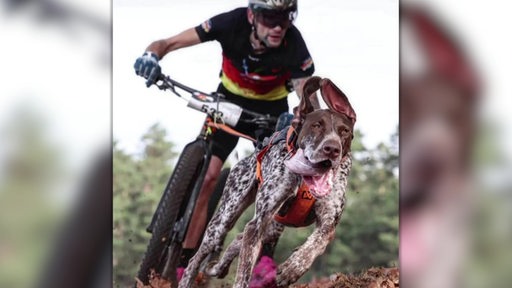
(214, 269)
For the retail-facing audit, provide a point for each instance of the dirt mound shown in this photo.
(371, 278)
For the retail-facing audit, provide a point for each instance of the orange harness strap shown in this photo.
(229, 130)
(259, 158)
(291, 136)
(297, 211)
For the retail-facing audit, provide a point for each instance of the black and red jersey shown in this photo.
(262, 76)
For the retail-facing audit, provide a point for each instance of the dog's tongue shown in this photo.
(319, 186)
(300, 165)
(318, 179)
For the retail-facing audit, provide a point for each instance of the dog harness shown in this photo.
(297, 211)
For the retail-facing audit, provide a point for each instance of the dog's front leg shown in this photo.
(221, 268)
(212, 241)
(251, 245)
(302, 259)
(268, 201)
(239, 193)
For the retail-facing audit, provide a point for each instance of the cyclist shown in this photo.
(264, 57)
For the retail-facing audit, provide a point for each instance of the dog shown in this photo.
(322, 160)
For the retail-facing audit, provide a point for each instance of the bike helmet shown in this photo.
(290, 5)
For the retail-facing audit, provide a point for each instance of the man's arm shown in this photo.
(186, 38)
(147, 65)
(298, 86)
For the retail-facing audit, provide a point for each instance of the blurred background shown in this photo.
(455, 145)
(55, 163)
(55, 153)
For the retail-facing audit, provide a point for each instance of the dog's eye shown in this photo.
(316, 125)
(343, 130)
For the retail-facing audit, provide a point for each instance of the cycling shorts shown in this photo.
(224, 143)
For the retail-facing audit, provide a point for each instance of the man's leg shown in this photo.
(198, 222)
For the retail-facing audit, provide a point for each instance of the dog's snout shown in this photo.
(331, 148)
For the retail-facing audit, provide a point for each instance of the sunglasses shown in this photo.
(272, 18)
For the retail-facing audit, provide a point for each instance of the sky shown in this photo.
(354, 43)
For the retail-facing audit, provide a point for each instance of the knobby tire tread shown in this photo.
(179, 184)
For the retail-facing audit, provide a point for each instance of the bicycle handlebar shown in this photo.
(215, 105)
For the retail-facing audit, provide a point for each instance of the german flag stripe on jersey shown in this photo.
(253, 86)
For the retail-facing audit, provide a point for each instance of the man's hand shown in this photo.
(147, 66)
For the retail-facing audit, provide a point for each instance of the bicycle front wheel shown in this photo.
(182, 181)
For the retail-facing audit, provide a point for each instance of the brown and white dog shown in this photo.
(322, 160)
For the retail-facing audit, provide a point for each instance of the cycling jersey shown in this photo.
(264, 76)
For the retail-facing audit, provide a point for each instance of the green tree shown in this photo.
(138, 184)
(368, 233)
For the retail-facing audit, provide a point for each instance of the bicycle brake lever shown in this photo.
(166, 85)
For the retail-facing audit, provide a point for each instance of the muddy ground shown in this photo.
(371, 278)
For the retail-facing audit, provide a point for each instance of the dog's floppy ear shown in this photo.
(336, 99)
(310, 87)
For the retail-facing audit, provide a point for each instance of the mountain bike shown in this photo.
(172, 217)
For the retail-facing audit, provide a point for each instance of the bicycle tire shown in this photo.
(182, 179)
